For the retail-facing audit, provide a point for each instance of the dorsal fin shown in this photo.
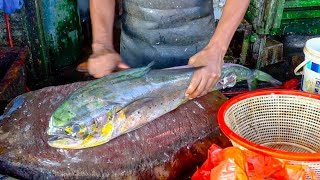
(114, 78)
(124, 75)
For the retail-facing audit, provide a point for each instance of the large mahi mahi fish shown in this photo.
(121, 102)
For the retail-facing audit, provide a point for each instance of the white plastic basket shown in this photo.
(279, 123)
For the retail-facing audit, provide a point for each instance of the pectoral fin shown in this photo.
(133, 106)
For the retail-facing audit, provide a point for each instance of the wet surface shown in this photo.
(169, 147)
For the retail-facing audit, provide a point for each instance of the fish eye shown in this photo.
(76, 128)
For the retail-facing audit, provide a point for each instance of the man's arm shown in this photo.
(102, 19)
(104, 59)
(212, 55)
(232, 16)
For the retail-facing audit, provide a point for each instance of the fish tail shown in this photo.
(262, 76)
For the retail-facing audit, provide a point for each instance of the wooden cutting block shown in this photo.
(170, 147)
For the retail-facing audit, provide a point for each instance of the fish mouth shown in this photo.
(59, 138)
(74, 136)
(52, 131)
(70, 142)
(64, 141)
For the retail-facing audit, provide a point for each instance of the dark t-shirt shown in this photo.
(168, 32)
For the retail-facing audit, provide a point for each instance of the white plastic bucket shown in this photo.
(311, 67)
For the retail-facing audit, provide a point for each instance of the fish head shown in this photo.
(66, 131)
(79, 136)
(63, 115)
(71, 136)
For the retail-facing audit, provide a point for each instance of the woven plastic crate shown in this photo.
(279, 123)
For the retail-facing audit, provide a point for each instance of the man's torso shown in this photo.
(168, 32)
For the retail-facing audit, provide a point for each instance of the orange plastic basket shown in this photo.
(284, 124)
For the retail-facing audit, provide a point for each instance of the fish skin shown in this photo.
(121, 102)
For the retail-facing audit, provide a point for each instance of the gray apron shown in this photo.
(167, 32)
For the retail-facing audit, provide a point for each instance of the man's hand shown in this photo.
(211, 58)
(104, 62)
(104, 59)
